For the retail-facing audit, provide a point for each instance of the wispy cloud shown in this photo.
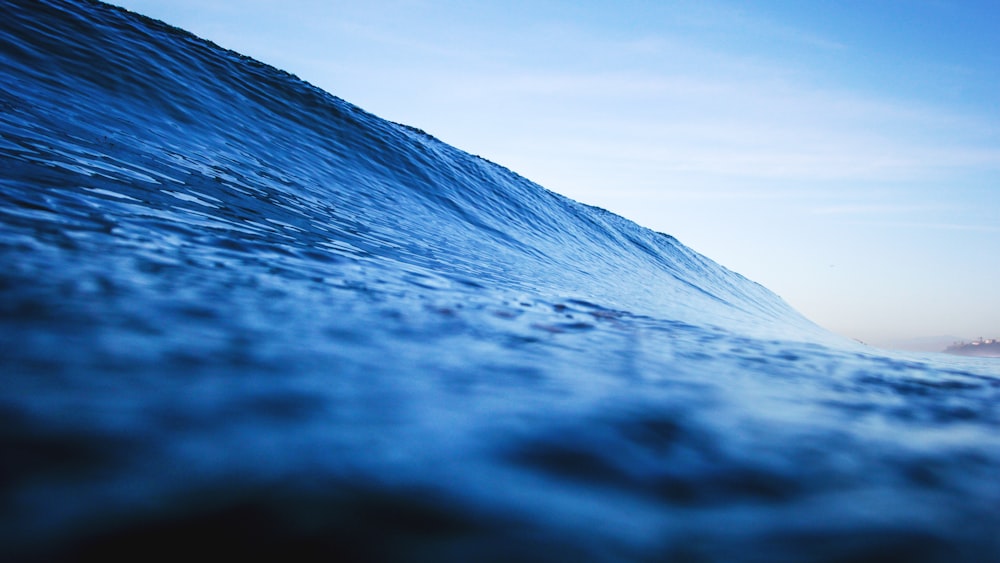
(711, 112)
(725, 128)
(728, 18)
(881, 209)
(939, 226)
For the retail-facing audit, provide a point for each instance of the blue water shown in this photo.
(242, 317)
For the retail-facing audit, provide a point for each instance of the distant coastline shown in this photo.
(984, 348)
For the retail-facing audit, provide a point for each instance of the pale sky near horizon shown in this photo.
(845, 154)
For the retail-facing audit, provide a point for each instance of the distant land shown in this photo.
(984, 348)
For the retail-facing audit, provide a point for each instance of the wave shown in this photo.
(251, 145)
(236, 308)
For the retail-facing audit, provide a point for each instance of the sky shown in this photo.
(846, 155)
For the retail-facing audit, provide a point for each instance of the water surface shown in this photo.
(243, 316)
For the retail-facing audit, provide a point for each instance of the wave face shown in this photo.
(243, 316)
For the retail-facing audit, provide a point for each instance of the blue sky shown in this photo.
(844, 154)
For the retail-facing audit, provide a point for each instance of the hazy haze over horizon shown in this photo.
(846, 156)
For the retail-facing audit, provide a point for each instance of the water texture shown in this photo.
(242, 317)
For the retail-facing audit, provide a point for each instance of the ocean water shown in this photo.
(243, 318)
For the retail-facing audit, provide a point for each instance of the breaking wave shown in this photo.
(243, 316)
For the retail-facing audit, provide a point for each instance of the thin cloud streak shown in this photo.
(932, 226)
(716, 125)
(877, 209)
